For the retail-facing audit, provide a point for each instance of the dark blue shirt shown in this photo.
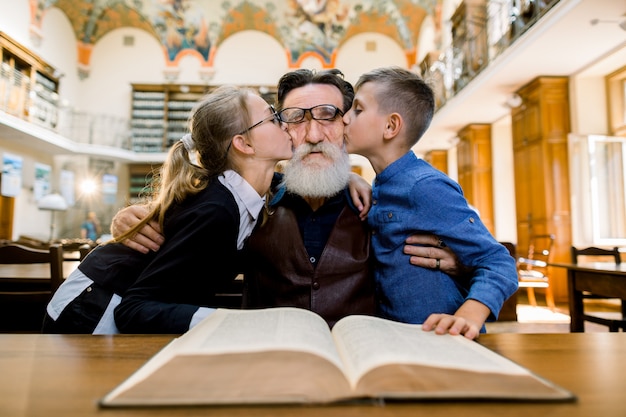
(315, 226)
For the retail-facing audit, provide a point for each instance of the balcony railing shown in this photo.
(487, 31)
(97, 129)
(35, 103)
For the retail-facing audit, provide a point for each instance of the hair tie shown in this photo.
(188, 142)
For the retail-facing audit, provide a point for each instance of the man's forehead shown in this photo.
(312, 95)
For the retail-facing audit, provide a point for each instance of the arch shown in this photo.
(90, 23)
(252, 55)
(369, 50)
(400, 21)
(247, 16)
(306, 29)
(324, 60)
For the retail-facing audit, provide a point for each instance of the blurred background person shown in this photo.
(90, 228)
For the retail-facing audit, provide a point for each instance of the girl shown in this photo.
(206, 211)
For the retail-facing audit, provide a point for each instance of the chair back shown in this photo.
(539, 251)
(595, 252)
(15, 282)
(533, 270)
(84, 250)
(614, 320)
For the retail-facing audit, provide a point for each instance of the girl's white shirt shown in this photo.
(250, 203)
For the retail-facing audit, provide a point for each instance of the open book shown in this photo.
(288, 355)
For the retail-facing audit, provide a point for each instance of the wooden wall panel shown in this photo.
(438, 159)
(475, 170)
(540, 128)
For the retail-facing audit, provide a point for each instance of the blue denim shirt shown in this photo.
(410, 196)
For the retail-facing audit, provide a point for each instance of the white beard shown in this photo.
(314, 180)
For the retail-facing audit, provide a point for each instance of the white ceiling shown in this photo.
(563, 43)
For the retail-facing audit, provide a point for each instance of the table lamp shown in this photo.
(52, 202)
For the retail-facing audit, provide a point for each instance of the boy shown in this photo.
(392, 109)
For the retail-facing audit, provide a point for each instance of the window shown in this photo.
(598, 189)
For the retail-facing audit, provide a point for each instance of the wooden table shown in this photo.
(600, 278)
(66, 375)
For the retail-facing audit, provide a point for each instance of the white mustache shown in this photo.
(324, 148)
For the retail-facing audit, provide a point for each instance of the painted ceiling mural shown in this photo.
(304, 27)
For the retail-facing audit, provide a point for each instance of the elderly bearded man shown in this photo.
(313, 249)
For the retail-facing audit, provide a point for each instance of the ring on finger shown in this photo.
(437, 264)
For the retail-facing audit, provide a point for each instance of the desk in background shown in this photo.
(66, 375)
(600, 278)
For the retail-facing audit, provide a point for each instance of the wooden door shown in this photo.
(438, 159)
(475, 170)
(540, 128)
(7, 205)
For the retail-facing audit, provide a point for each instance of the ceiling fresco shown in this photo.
(304, 27)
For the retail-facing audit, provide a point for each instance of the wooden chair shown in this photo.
(613, 320)
(37, 285)
(28, 278)
(508, 312)
(532, 270)
(597, 254)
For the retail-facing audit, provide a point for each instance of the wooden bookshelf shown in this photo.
(160, 112)
(28, 85)
(140, 182)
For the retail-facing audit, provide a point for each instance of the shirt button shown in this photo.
(312, 259)
(88, 289)
(471, 220)
(390, 215)
(374, 202)
(316, 285)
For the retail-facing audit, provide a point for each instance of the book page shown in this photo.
(286, 328)
(229, 332)
(365, 343)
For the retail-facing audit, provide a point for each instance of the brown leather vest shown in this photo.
(282, 275)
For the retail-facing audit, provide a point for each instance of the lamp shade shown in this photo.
(53, 202)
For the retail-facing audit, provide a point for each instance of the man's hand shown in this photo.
(467, 321)
(428, 251)
(361, 194)
(148, 238)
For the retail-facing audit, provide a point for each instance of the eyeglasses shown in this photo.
(321, 112)
(275, 118)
